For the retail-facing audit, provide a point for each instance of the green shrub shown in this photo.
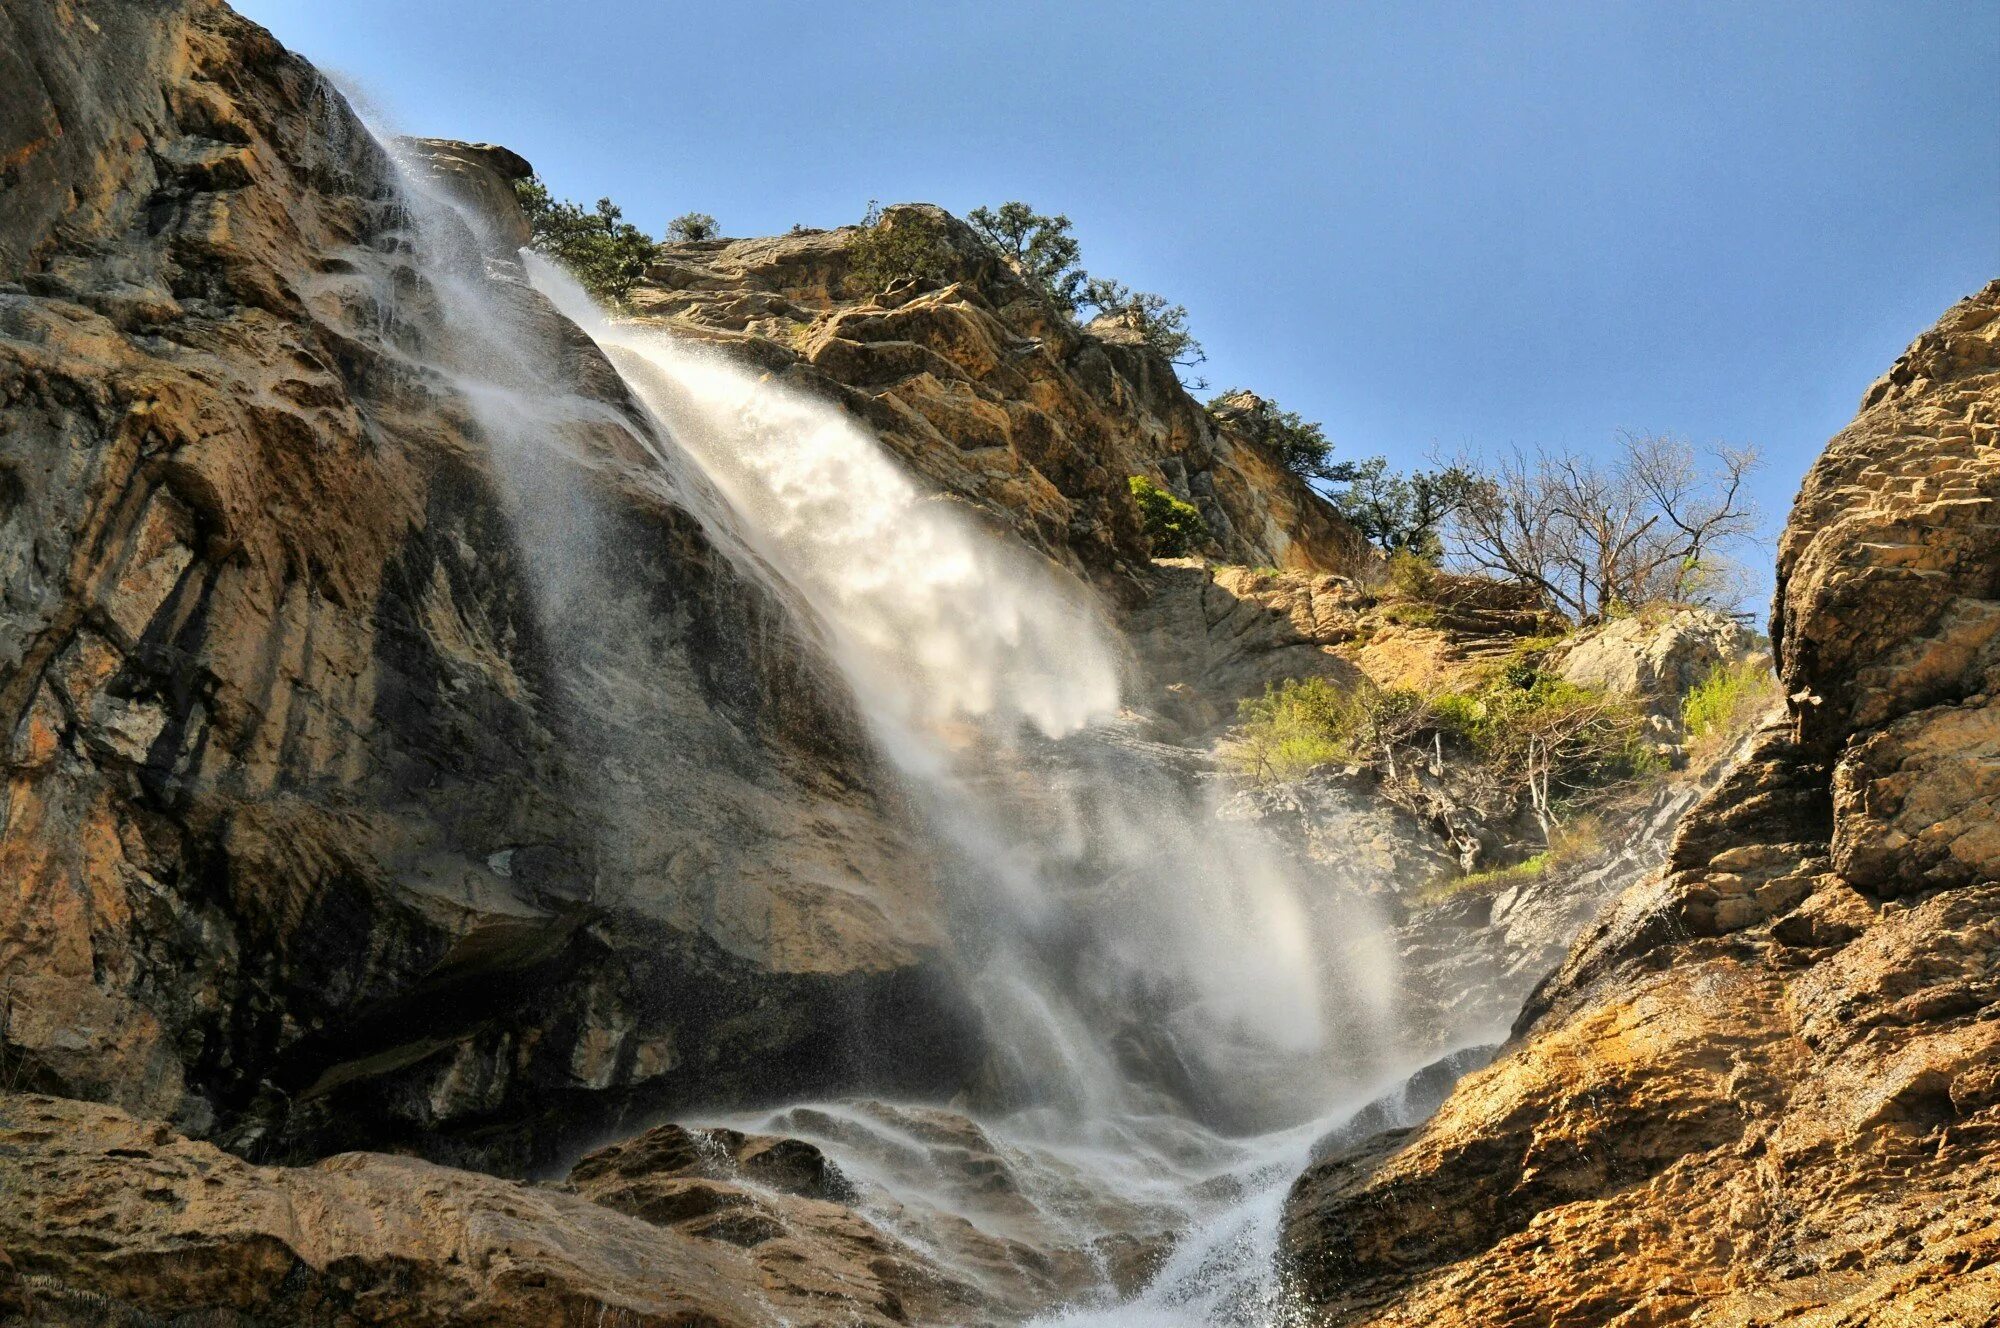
(603, 251)
(1300, 445)
(1726, 701)
(1302, 724)
(900, 245)
(1173, 525)
(1412, 576)
(692, 226)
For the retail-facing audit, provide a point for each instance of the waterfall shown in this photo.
(1131, 951)
(1153, 979)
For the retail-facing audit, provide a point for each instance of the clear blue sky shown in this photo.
(1428, 225)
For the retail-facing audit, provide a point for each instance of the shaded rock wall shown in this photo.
(320, 823)
(1762, 1087)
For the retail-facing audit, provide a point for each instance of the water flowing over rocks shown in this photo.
(414, 743)
(1760, 1089)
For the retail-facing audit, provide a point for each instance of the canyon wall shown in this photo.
(1761, 1089)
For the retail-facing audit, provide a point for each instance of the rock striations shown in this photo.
(1762, 1089)
(325, 822)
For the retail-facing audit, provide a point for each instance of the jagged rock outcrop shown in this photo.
(1762, 1089)
(333, 750)
(979, 386)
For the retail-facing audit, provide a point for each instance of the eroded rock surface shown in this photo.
(335, 739)
(1761, 1090)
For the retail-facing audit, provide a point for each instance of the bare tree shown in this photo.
(1648, 524)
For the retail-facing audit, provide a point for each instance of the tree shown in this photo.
(1038, 247)
(602, 250)
(692, 226)
(903, 243)
(1160, 325)
(1399, 513)
(1602, 537)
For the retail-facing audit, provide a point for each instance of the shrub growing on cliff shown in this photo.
(1725, 703)
(1534, 738)
(1038, 247)
(692, 226)
(901, 245)
(1400, 514)
(1160, 325)
(1172, 524)
(1300, 445)
(602, 250)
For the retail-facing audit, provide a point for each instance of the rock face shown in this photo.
(355, 1239)
(979, 386)
(1657, 662)
(1762, 1088)
(333, 751)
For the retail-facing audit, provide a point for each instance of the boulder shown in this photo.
(1656, 658)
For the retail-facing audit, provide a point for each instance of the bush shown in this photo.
(1535, 735)
(1727, 701)
(692, 226)
(1160, 325)
(1173, 525)
(603, 251)
(905, 244)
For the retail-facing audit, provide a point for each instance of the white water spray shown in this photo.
(1142, 967)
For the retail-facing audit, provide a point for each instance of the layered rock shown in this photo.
(981, 387)
(1761, 1089)
(337, 741)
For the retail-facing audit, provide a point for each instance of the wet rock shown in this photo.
(334, 803)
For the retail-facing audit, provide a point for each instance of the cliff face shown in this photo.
(975, 384)
(330, 806)
(1762, 1089)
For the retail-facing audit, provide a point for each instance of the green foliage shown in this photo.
(1725, 702)
(1304, 723)
(1160, 325)
(1531, 732)
(908, 244)
(1038, 247)
(1412, 576)
(1399, 513)
(692, 226)
(602, 250)
(1300, 444)
(1173, 525)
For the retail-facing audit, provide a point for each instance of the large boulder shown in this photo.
(1656, 658)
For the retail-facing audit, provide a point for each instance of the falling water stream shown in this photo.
(1175, 1017)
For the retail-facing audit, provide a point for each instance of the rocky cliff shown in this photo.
(325, 819)
(978, 385)
(1761, 1089)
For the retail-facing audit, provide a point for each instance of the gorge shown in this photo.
(710, 813)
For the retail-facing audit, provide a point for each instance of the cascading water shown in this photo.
(1153, 979)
